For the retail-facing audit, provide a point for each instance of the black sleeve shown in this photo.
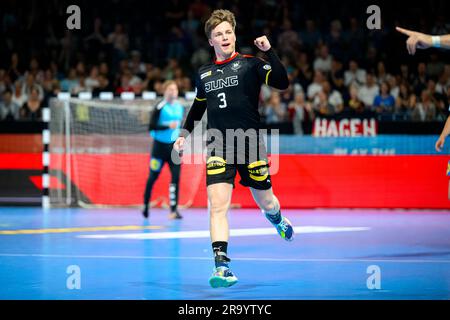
(153, 125)
(198, 108)
(195, 114)
(273, 73)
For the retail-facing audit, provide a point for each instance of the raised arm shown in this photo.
(417, 40)
(277, 76)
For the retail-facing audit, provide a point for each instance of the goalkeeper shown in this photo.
(164, 127)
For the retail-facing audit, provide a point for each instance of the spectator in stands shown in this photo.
(169, 71)
(30, 82)
(355, 104)
(324, 60)
(95, 42)
(382, 75)
(136, 65)
(421, 78)
(337, 76)
(300, 111)
(68, 49)
(154, 74)
(3, 81)
(125, 85)
(48, 85)
(394, 87)
(316, 86)
(305, 74)
(288, 40)
(354, 75)
(103, 85)
(437, 98)
(335, 40)
(92, 81)
(443, 83)
(321, 105)
(81, 86)
(32, 109)
(13, 71)
(402, 103)
(19, 97)
(425, 110)
(55, 71)
(104, 70)
(311, 36)
(306, 48)
(369, 90)
(275, 111)
(120, 42)
(334, 97)
(442, 108)
(405, 75)
(9, 110)
(384, 102)
(34, 69)
(68, 84)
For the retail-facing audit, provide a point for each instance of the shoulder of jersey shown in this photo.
(205, 70)
(161, 104)
(253, 59)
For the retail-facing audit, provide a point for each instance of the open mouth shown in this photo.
(226, 45)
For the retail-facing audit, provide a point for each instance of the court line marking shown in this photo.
(206, 233)
(78, 229)
(63, 256)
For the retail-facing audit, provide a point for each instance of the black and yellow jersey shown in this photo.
(230, 89)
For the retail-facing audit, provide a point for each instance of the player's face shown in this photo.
(223, 40)
(171, 92)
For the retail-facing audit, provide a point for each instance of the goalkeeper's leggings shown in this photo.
(162, 153)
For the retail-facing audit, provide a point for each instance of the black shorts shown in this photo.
(255, 175)
(162, 153)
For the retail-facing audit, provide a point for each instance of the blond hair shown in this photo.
(167, 83)
(216, 18)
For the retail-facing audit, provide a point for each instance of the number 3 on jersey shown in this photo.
(223, 100)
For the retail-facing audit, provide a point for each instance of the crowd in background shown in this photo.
(336, 65)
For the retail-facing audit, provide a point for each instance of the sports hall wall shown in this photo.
(386, 171)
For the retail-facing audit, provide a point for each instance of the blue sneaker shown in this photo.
(222, 277)
(284, 228)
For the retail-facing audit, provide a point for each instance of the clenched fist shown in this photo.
(262, 43)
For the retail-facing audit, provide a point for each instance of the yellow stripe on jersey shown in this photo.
(267, 76)
(200, 99)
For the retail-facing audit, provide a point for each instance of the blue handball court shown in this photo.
(112, 254)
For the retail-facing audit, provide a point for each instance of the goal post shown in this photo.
(100, 154)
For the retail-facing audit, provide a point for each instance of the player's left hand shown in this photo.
(262, 43)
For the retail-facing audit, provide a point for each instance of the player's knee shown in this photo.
(218, 208)
(269, 204)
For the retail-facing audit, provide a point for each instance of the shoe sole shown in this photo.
(222, 282)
